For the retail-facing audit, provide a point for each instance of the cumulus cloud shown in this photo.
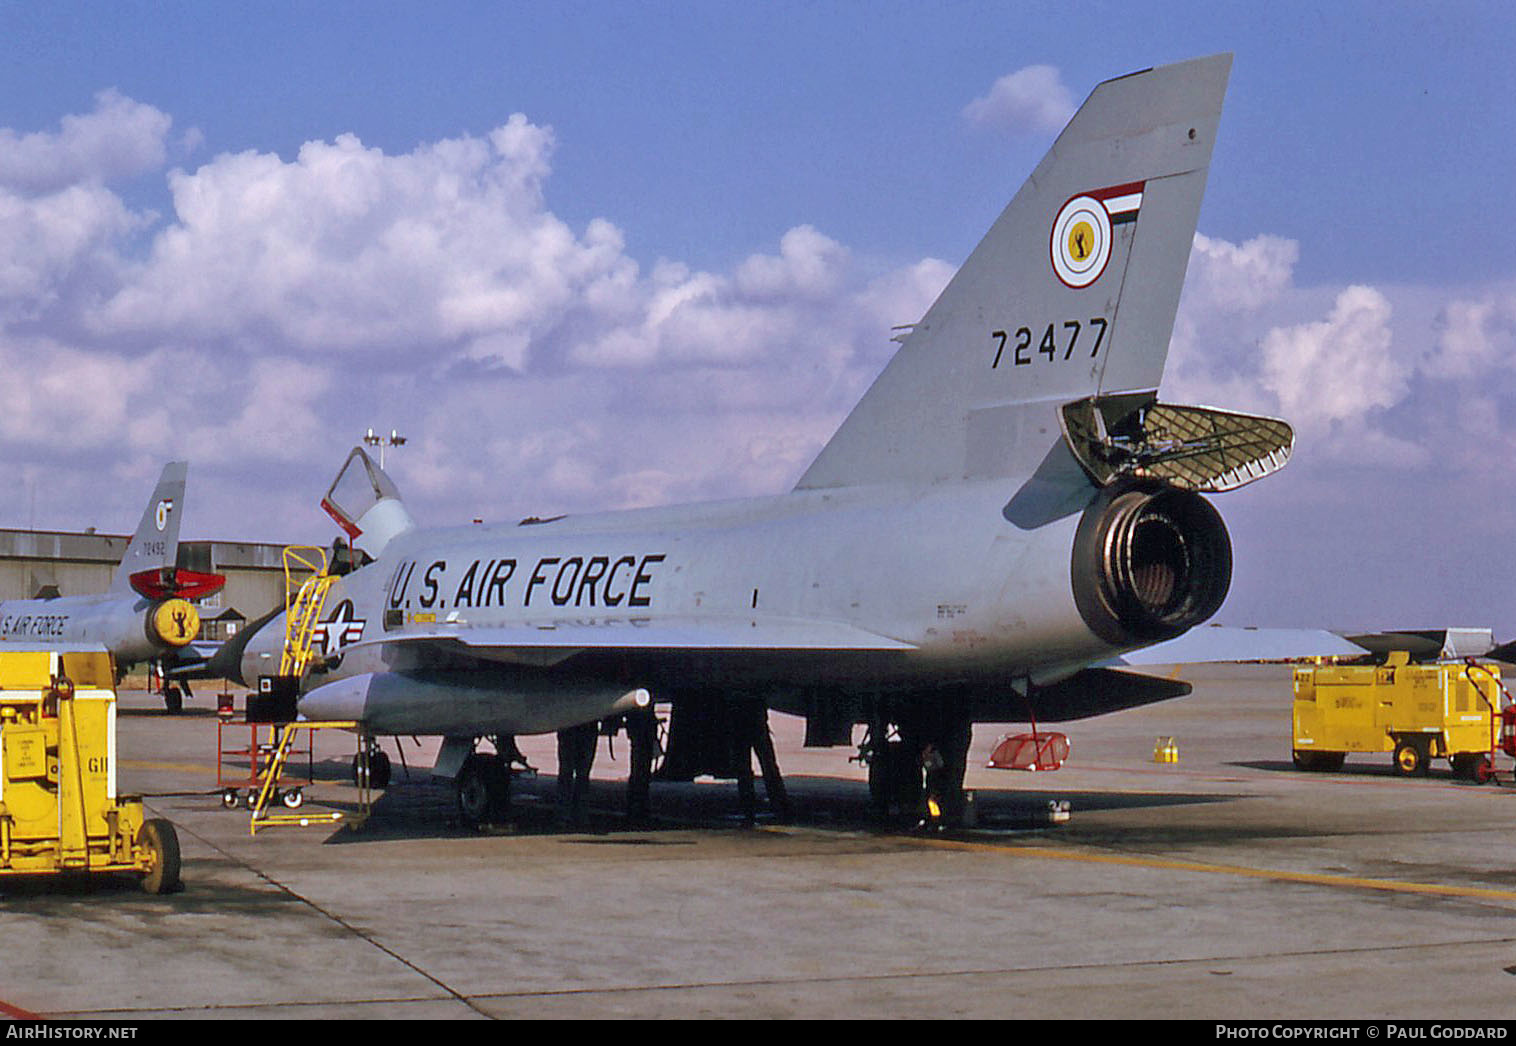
(1474, 336)
(287, 305)
(58, 246)
(119, 138)
(809, 265)
(1242, 277)
(1029, 101)
(1330, 361)
(1231, 292)
(1339, 368)
(1234, 344)
(348, 250)
(58, 397)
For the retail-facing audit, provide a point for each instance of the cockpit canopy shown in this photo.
(366, 503)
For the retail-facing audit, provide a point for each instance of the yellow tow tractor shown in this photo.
(59, 811)
(1417, 712)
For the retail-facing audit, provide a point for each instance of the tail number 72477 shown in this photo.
(1059, 342)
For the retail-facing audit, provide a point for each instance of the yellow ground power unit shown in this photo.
(1418, 712)
(59, 810)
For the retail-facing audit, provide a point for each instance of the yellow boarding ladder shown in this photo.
(303, 603)
(268, 793)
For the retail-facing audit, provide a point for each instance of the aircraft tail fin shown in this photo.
(1071, 294)
(155, 544)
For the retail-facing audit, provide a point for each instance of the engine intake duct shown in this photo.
(1149, 563)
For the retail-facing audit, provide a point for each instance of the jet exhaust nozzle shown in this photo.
(1150, 562)
(172, 623)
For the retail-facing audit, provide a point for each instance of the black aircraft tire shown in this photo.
(481, 791)
(378, 770)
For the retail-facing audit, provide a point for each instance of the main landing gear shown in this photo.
(377, 767)
(917, 762)
(481, 782)
(173, 692)
(482, 790)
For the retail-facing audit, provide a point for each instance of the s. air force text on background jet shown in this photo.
(1008, 509)
(146, 614)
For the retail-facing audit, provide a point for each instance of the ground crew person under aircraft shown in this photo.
(933, 765)
(576, 757)
(750, 736)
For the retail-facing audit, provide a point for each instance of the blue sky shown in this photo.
(188, 276)
(705, 129)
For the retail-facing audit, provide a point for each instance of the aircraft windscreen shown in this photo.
(359, 486)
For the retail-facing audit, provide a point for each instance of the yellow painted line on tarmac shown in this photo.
(1171, 865)
(189, 768)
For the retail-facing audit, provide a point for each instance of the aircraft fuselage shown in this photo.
(126, 625)
(861, 589)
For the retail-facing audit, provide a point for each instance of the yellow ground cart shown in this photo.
(59, 811)
(1418, 712)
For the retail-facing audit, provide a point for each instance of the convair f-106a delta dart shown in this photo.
(146, 614)
(1008, 510)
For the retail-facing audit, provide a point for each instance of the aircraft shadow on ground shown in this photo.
(417, 808)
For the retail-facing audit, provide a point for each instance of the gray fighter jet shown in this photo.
(146, 614)
(1008, 509)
